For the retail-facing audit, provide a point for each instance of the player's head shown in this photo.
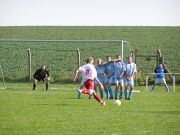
(118, 57)
(160, 65)
(43, 67)
(99, 62)
(130, 59)
(90, 60)
(108, 58)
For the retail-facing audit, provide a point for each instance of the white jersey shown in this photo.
(130, 69)
(89, 71)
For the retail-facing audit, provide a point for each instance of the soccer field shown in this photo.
(57, 112)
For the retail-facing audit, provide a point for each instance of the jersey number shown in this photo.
(87, 71)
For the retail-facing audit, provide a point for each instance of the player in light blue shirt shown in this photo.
(119, 76)
(160, 77)
(109, 70)
(129, 77)
(101, 76)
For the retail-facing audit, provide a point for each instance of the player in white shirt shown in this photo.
(80, 76)
(90, 74)
(129, 77)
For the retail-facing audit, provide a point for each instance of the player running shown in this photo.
(90, 74)
(118, 76)
(41, 74)
(129, 77)
(160, 77)
(109, 70)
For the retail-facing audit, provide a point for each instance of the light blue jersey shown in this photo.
(100, 73)
(119, 68)
(118, 78)
(109, 68)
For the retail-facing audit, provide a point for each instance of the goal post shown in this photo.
(2, 81)
(150, 78)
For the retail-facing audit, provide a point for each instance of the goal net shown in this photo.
(62, 57)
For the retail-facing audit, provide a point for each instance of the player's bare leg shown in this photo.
(121, 90)
(130, 93)
(106, 90)
(116, 91)
(92, 92)
(34, 84)
(101, 91)
(47, 79)
(125, 92)
(110, 91)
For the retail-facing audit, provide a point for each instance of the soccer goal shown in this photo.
(171, 80)
(2, 81)
(62, 57)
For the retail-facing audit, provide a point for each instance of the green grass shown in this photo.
(57, 112)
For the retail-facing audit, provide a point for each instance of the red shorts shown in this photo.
(89, 84)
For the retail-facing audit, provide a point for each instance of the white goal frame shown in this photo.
(2, 74)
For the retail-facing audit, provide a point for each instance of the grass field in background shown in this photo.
(57, 112)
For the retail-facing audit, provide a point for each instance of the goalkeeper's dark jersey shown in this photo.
(41, 74)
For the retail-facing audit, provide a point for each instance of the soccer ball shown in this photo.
(117, 102)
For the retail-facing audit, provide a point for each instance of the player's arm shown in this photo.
(155, 70)
(165, 70)
(121, 75)
(113, 69)
(36, 73)
(47, 73)
(76, 75)
(135, 71)
(128, 78)
(77, 72)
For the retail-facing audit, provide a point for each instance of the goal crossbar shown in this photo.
(15, 40)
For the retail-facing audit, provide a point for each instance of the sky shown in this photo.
(90, 12)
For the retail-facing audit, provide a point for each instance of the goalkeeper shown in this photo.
(160, 77)
(41, 74)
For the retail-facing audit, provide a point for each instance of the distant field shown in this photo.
(57, 112)
(61, 58)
